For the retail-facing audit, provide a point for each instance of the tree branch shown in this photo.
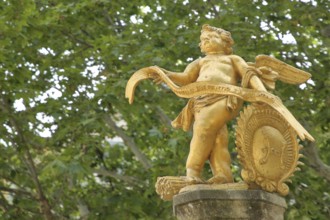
(163, 117)
(315, 162)
(16, 191)
(311, 152)
(104, 172)
(27, 159)
(77, 40)
(129, 142)
(44, 204)
(81, 204)
(107, 18)
(7, 179)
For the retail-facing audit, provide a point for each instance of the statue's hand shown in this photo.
(265, 70)
(156, 78)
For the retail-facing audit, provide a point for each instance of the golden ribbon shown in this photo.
(203, 88)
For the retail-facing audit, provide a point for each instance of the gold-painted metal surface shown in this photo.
(268, 150)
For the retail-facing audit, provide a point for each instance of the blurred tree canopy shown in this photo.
(71, 145)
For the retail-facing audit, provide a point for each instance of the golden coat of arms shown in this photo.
(267, 148)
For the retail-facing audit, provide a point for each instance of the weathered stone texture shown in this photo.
(228, 204)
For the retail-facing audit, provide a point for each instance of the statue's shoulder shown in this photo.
(197, 62)
(235, 58)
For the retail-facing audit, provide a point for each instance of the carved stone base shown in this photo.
(228, 204)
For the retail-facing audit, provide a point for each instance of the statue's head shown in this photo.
(226, 40)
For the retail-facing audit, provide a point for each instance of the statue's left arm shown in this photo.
(247, 73)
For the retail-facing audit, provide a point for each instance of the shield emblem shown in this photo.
(267, 148)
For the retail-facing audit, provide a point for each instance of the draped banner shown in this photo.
(203, 88)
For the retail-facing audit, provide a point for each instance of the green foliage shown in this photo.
(63, 71)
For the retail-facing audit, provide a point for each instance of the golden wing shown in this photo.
(287, 73)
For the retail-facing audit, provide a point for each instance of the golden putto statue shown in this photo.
(266, 132)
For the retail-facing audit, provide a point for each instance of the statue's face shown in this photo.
(211, 42)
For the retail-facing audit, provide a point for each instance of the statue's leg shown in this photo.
(207, 123)
(220, 159)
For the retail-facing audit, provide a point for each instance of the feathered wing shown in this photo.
(286, 73)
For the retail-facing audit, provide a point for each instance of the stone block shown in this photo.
(228, 204)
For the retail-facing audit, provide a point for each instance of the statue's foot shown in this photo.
(193, 179)
(218, 179)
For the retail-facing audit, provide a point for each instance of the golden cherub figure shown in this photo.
(211, 83)
(211, 112)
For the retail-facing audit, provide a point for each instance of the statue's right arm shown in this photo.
(189, 75)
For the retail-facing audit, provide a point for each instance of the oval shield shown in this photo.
(267, 148)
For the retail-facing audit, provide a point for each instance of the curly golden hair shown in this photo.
(225, 36)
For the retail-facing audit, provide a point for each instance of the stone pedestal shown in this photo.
(228, 204)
